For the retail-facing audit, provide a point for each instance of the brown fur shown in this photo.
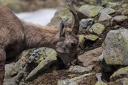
(17, 35)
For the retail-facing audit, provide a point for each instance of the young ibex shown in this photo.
(17, 35)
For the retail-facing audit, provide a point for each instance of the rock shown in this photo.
(19, 65)
(66, 82)
(113, 5)
(98, 76)
(90, 56)
(81, 39)
(80, 69)
(125, 81)
(84, 23)
(44, 64)
(101, 83)
(80, 78)
(9, 82)
(91, 37)
(115, 47)
(120, 18)
(62, 14)
(104, 17)
(122, 81)
(8, 69)
(125, 12)
(107, 11)
(96, 2)
(120, 73)
(97, 28)
(120, 10)
(90, 10)
(73, 81)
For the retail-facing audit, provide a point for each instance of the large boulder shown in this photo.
(115, 47)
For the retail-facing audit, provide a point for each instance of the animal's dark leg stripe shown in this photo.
(2, 65)
(2, 71)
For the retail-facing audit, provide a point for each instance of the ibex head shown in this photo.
(66, 47)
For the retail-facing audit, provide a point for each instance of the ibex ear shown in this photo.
(62, 30)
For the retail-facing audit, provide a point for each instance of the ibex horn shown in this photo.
(75, 20)
(62, 30)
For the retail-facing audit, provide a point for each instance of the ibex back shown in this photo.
(17, 35)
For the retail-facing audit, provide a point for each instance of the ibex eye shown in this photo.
(73, 44)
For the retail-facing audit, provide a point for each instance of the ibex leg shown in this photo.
(2, 65)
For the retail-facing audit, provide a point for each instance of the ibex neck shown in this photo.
(39, 36)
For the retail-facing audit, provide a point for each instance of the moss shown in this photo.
(13, 72)
(91, 37)
(90, 10)
(97, 28)
(118, 73)
(100, 83)
(81, 39)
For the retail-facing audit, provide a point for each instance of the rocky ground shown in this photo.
(102, 50)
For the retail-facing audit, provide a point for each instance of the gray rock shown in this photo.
(122, 81)
(8, 69)
(101, 83)
(74, 80)
(125, 12)
(107, 10)
(97, 28)
(115, 47)
(96, 2)
(62, 14)
(9, 82)
(84, 23)
(81, 40)
(125, 81)
(91, 37)
(120, 18)
(44, 64)
(120, 73)
(90, 10)
(100, 58)
(80, 69)
(98, 76)
(104, 17)
(66, 82)
(89, 57)
(113, 4)
(19, 65)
